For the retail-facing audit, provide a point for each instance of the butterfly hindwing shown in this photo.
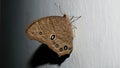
(54, 31)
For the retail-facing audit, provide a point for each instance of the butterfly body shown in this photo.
(54, 31)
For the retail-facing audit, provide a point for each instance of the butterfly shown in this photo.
(54, 31)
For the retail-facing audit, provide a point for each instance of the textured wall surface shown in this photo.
(97, 41)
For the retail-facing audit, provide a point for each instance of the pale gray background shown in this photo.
(97, 41)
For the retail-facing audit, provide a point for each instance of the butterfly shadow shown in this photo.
(44, 55)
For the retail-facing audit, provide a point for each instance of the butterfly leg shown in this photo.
(74, 28)
(71, 18)
(58, 6)
(74, 19)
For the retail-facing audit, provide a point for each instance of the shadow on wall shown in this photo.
(44, 55)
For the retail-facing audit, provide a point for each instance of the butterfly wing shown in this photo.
(54, 31)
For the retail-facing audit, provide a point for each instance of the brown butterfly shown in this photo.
(54, 31)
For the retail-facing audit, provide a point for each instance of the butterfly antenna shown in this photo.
(59, 8)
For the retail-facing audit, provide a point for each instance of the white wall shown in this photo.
(97, 41)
